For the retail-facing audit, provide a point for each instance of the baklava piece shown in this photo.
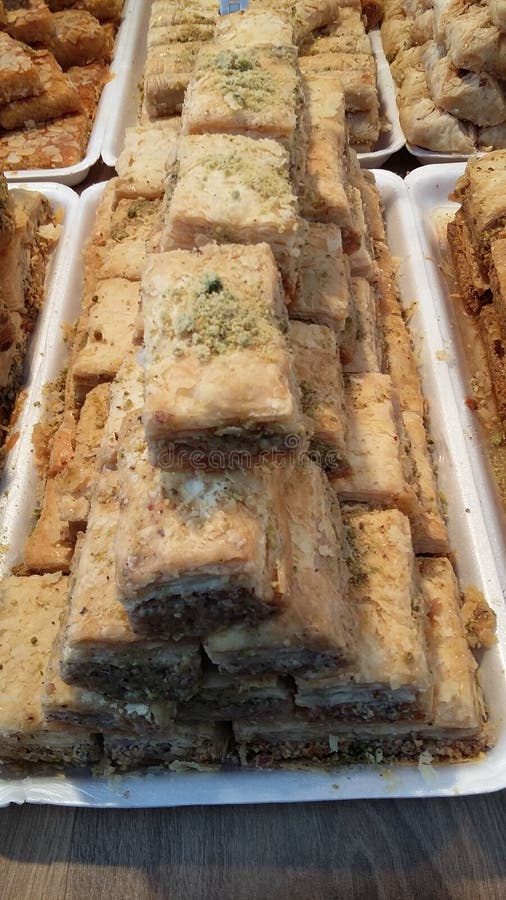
(319, 373)
(218, 373)
(234, 188)
(195, 551)
(315, 632)
(30, 609)
(100, 650)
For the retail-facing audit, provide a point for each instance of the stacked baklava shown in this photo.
(28, 233)
(477, 242)
(331, 37)
(53, 66)
(239, 492)
(449, 62)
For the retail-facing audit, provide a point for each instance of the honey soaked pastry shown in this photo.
(315, 632)
(100, 650)
(31, 608)
(232, 188)
(19, 76)
(209, 548)
(57, 97)
(218, 374)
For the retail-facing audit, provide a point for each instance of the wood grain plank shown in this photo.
(35, 849)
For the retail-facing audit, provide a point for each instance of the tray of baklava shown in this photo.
(171, 46)
(244, 556)
(459, 211)
(62, 73)
(35, 223)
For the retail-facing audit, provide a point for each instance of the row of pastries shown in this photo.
(240, 554)
(54, 64)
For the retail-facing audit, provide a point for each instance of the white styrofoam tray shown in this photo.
(64, 201)
(109, 107)
(128, 103)
(473, 554)
(393, 140)
(434, 157)
(428, 190)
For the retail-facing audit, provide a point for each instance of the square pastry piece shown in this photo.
(391, 679)
(19, 76)
(250, 91)
(30, 609)
(195, 551)
(218, 373)
(315, 632)
(100, 650)
(234, 188)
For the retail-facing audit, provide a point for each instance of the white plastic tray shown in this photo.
(389, 142)
(474, 558)
(434, 157)
(109, 107)
(63, 199)
(428, 190)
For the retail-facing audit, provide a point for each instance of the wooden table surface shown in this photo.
(393, 849)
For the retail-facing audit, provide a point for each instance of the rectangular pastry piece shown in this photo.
(78, 39)
(399, 363)
(253, 28)
(148, 153)
(306, 16)
(52, 145)
(323, 289)
(57, 96)
(19, 76)
(78, 707)
(427, 524)
(135, 221)
(319, 373)
(494, 340)
(167, 74)
(234, 188)
(184, 33)
(251, 91)
(177, 12)
(218, 372)
(374, 453)
(325, 197)
(126, 394)
(65, 508)
(89, 81)
(30, 610)
(456, 703)
(197, 550)
(477, 97)
(390, 679)
(198, 744)
(223, 697)
(367, 353)
(363, 129)
(100, 650)
(469, 269)
(341, 41)
(357, 74)
(315, 631)
(29, 21)
(108, 330)
(481, 191)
